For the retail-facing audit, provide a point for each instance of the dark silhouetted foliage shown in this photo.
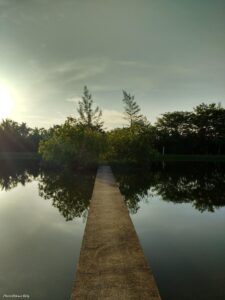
(131, 109)
(201, 131)
(73, 144)
(89, 116)
(15, 137)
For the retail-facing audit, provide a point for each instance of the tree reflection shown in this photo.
(134, 186)
(13, 172)
(201, 184)
(70, 192)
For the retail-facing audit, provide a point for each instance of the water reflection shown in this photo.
(201, 184)
(14, 172)
(39, 249)
(70, 192)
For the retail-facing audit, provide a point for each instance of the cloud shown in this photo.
(85, 73)
(74, 99)
(133, 63)
(113, 118)
(43, 121)
(68, 72)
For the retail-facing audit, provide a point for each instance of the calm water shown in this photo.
(42, 220)
(178, 211)
(179, 215)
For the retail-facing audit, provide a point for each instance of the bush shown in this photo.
(133, 144)
(72, 144)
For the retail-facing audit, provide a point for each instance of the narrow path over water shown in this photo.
(112, 264)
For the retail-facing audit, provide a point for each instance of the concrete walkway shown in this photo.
(112, 264)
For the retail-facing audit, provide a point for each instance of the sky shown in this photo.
(170, 54)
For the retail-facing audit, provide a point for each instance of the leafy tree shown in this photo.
(134, 143)
(132, 109)
(72, 144)
(210, 127)
(201, 131)
(128, 145)
(35, 136)
(15, 137)
(178, 122)
(89, 116)
(175, 132)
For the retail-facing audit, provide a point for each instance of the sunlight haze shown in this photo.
(169, 54)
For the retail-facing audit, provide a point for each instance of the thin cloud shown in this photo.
(113, 118)
(74, 100)
(70, 71)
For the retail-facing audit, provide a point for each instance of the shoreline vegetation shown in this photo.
(156, 158)
(197, 135)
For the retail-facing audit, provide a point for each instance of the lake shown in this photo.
(42, 220)
(178, 210)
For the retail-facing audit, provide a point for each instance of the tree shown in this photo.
(89, 116)
(35, 136)
(15, 137)
(175, 132)
(201, 131)
(210, 127)
(132, 109)
(176, 123)
(135, 146)
(72, 144)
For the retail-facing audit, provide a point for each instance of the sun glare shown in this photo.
(6, 102)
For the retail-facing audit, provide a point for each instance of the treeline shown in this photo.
(15, 137)
(201, 131)
(83, 140)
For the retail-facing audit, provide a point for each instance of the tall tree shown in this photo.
(132, 109)
(210, 126)
(89, 116)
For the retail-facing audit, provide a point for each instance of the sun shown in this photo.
(6, 102)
